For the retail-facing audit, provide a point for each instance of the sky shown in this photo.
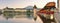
(59, 5)
(24, 3)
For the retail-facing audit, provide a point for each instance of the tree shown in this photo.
(28, 13)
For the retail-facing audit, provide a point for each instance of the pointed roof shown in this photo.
(50, 4)
(34, 6)
(6, 7)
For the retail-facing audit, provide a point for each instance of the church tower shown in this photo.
(34, 12)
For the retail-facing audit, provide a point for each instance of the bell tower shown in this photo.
(34, 7)
(34, 12)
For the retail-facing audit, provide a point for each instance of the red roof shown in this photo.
(46, 12)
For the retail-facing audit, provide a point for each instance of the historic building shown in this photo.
(17, 12)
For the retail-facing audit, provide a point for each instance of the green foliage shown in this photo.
(9, 14)
(28, 13)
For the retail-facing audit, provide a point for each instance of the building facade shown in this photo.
(18, 12)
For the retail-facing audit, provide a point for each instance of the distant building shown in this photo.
(17, 12)
(20, 12)
(8, 12)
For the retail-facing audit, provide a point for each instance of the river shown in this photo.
(18, 20)
(24, 20)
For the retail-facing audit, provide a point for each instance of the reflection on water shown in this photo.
(18, 20)
(15, 20)
(25, 20)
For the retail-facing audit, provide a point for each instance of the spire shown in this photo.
(34, 6)
(7, 7)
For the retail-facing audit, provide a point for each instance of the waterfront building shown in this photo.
(8, 12)
(17, 12)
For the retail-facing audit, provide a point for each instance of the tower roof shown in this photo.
(34, 6)
(51, 4)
